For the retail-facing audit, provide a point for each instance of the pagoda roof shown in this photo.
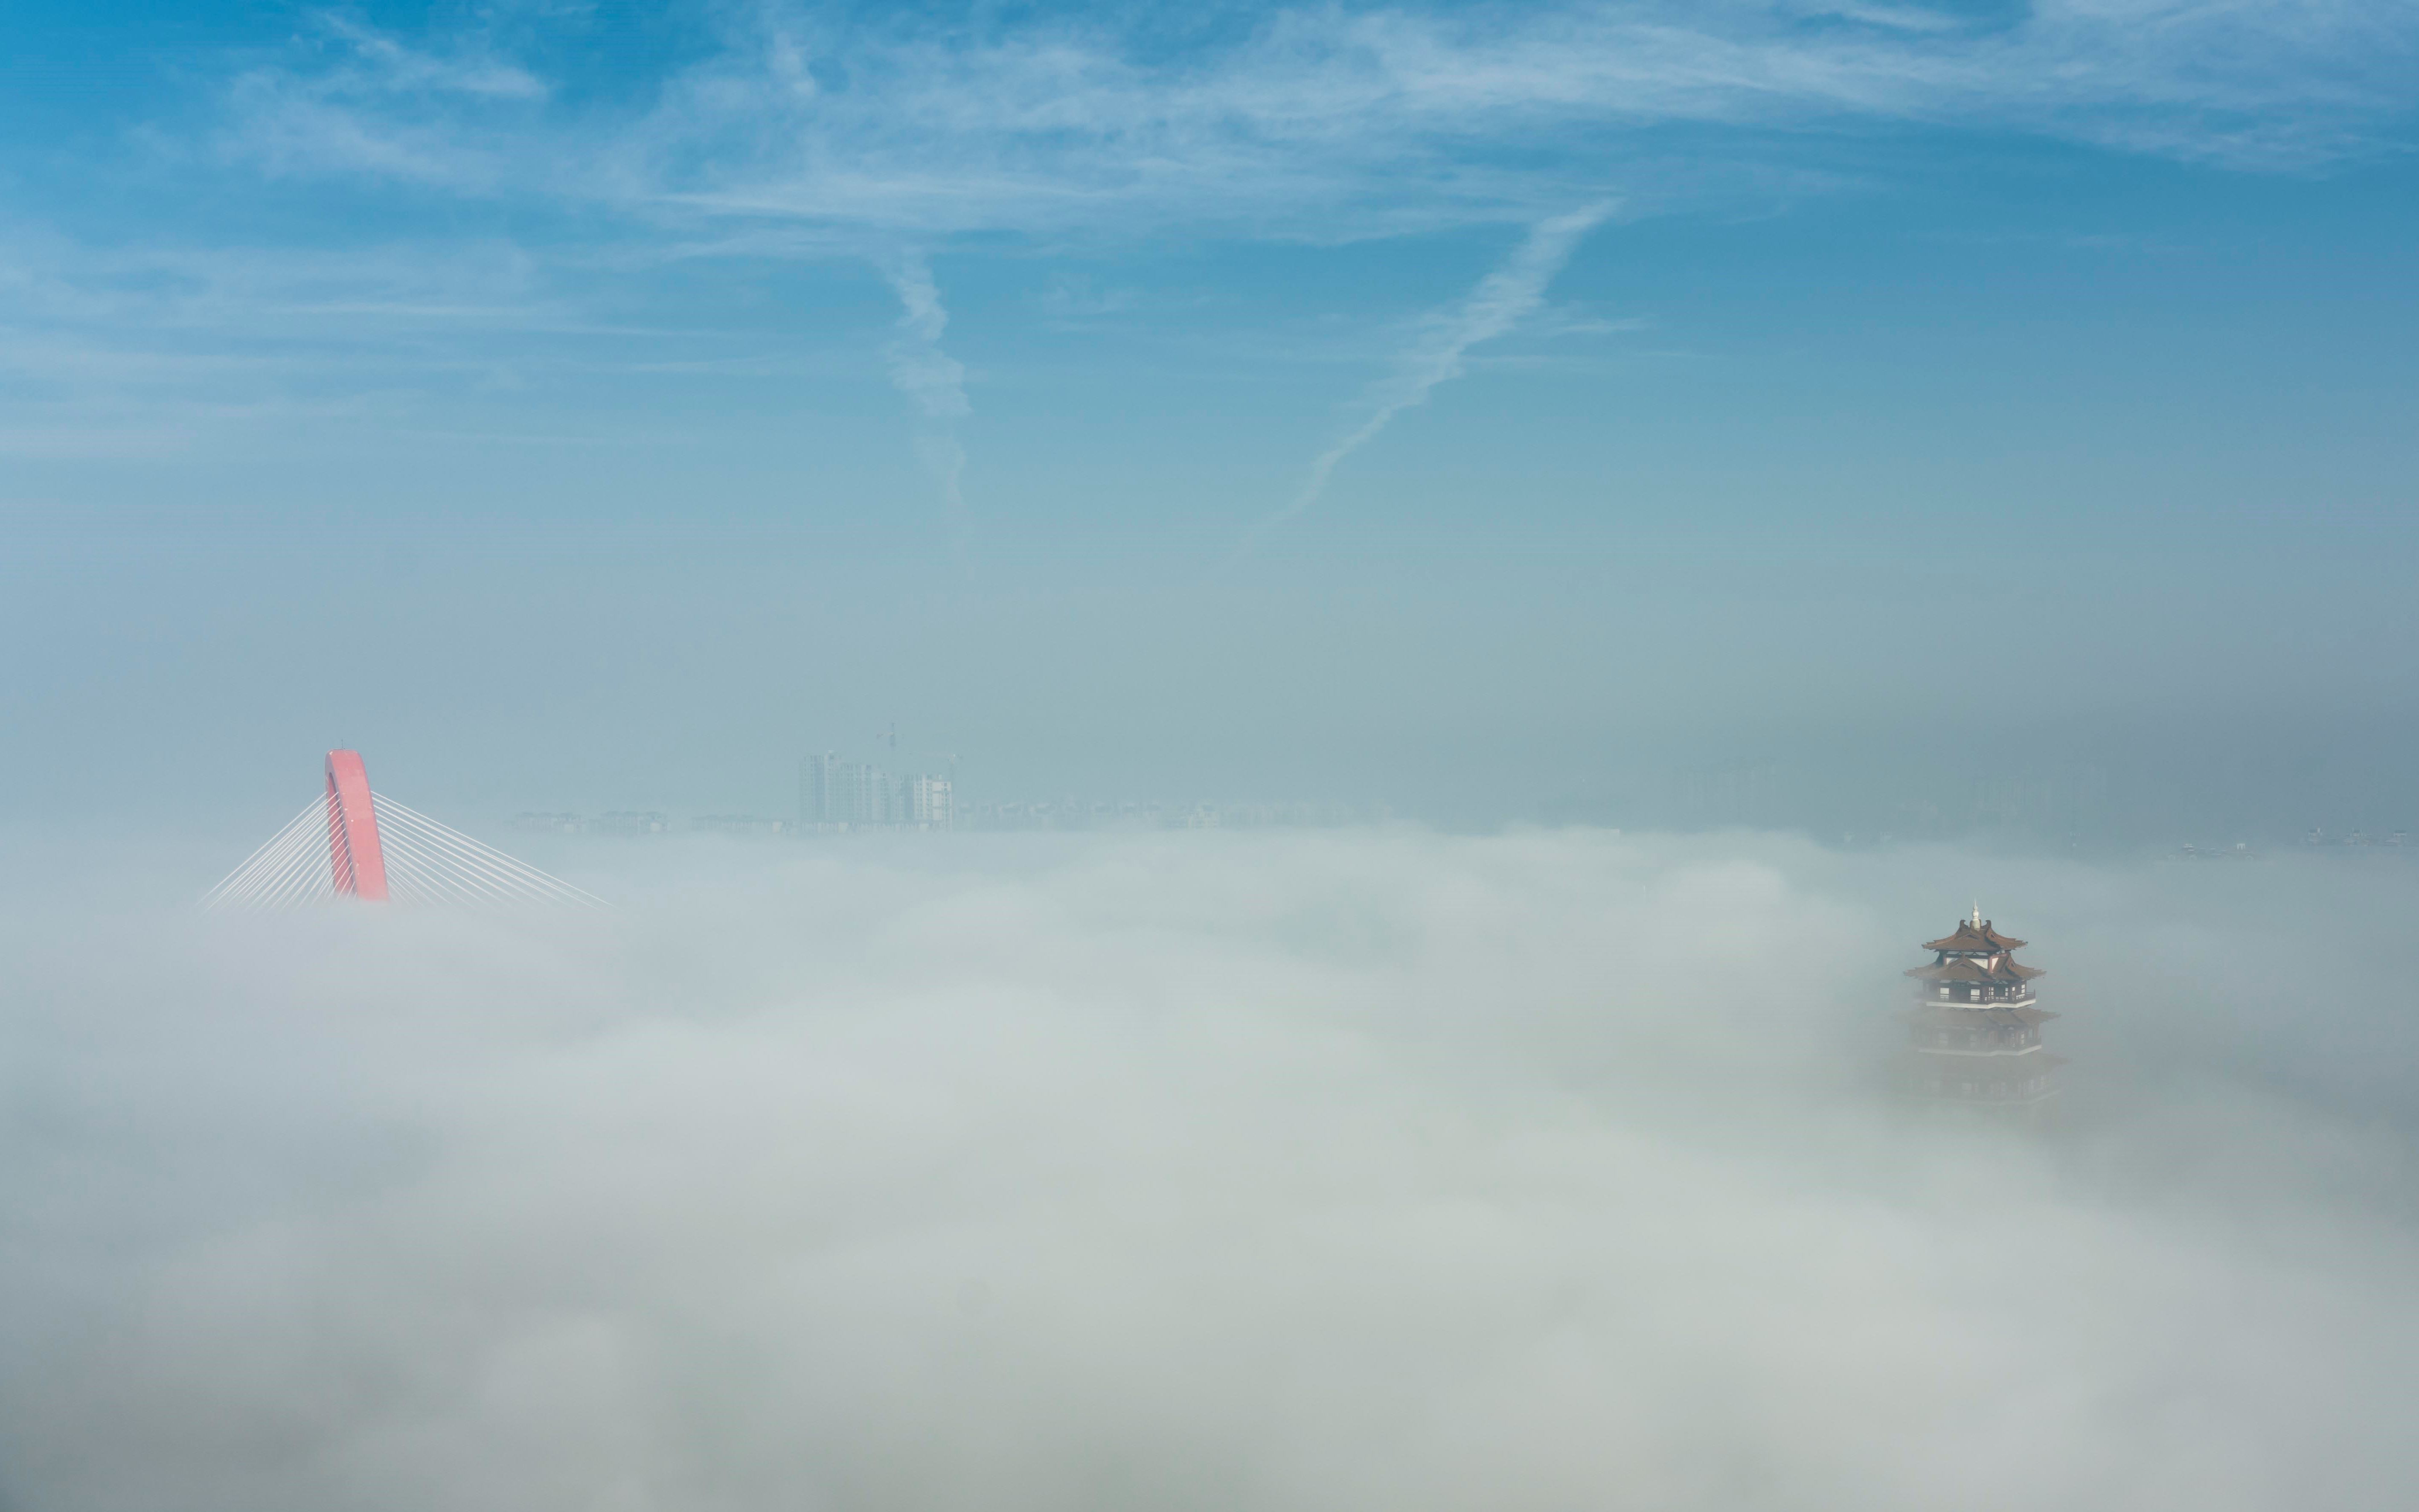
(1966, 969)
(1973, 938)
(1961, 969)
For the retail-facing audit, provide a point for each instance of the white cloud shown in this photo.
(163, 346)
(379, 109)
(1360, 1170)
(1502, 300)
(1344, 122)
(931, 379)
(935, 381)
(815, 133)
(380, 63)
(1075, 298)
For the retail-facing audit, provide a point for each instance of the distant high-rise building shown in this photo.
(837, 794)
(864, 795)
(1974, 1035)
(929, 803)
(818, 779)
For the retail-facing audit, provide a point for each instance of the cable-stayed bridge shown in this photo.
(352, 842)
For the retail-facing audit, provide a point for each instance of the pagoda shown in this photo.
(1974, 1035)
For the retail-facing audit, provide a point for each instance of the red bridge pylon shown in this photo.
(354, 858)
(354, 842)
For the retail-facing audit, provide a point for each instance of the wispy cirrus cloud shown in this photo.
(1502, 300)
(380, 63)
(361, 101)
(166, 344)
(1317, 121)
(804, 133)
(932, 380)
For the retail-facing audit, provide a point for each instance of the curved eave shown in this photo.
(1967, 970)
(1970, 940)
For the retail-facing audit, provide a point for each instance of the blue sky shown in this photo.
(596, 405)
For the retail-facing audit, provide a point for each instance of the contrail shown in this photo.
(931, 379)
(1500, 301)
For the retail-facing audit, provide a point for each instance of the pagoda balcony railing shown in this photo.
(1975, 997)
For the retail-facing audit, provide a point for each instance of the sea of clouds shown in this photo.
(1376, 1168)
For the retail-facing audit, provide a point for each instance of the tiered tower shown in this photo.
(1975, 1032)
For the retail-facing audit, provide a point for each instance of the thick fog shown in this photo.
(1364, 1168)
